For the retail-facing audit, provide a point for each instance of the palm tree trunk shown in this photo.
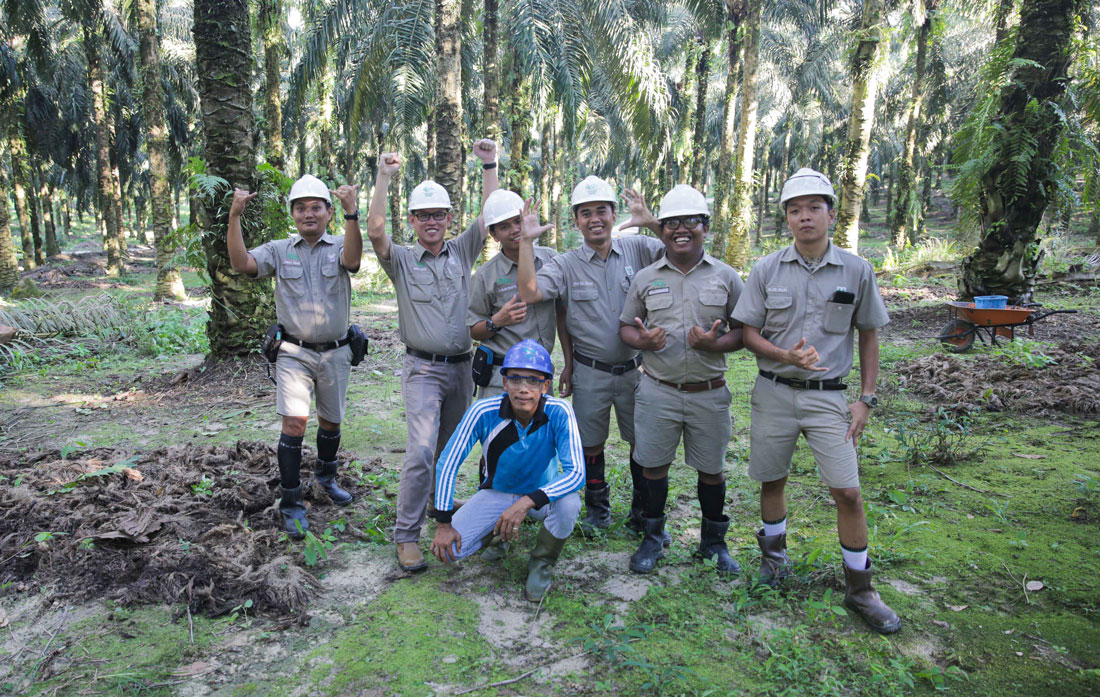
(907, 214)
(864, 90)
(1005, 262)
(271, 34)
(46, 194)
(449, 151)
(241, 307)
(557, 187)
(9, 265)
(36, 210)
(699, 146)
(491, 69)
(19, 185)
(169, 284)
(518, 110)
(737, 253)
(1000, 18)
(762, 208)
(720, 228)
(105, 182)
(326, 157)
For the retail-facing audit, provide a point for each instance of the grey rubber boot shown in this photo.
(597, 504)
(543, 557)
(294, 512)
(652, 548)
(861, 596)
(325, 474)
(493, 548)
(775, 565)
(712, 545)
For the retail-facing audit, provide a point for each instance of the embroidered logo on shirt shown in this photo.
(659, 291)
(629, 270)
(778, 289)
(503, 281)
(292, 256)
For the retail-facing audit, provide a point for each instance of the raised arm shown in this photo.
(486, 151)
(529, 231)
(239, 258)
(353, 238)
(389, 164)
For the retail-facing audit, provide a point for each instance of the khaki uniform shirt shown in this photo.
(787, 302)
(312, 287)
(433, 292)
(663, 296)
(495, 283)
(594, 290)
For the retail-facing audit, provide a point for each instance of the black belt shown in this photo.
(805, 384)
(438, 357)
(320, 348)
(703, 386)
(619, 369)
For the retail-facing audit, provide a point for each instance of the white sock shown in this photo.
(775, 528)
(856, 560)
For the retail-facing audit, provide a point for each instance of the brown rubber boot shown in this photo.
(409, 557)
(775, 565)
(864, 599)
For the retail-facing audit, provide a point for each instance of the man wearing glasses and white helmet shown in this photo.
(432, 283)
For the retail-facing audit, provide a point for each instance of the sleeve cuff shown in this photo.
(443, 516)
(539, 497)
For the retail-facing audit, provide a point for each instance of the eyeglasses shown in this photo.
(689, 223)
(425, 217)
(529, 380)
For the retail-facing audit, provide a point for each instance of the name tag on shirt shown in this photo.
(659, 291)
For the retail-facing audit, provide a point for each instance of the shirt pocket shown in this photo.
(838, 317)
(661, 301)
(713, 304)
(421, 287)
(584, 302)
(778, 311)
(330, 273)
(292, 279)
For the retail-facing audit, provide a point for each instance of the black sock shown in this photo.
(656, 496)
(636, 475)
(712, 499)
(290, 461)
(328, 442)
(594, 467)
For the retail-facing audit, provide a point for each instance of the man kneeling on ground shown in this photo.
(525, 436)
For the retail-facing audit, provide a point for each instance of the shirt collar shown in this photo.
(297, 239)
(539, 418)
(588, 252)
(420, 250)
(831, 256)
(663, 262)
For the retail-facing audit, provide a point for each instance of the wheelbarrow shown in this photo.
(970, 321)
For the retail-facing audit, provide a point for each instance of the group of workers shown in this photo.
(644, 323)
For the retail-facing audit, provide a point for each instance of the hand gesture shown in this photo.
(507, 527)
(640, 215)
(240, 200)
(486, 150)
(513, 312)
(704, 340)
(650, 339)
(529, 228)
(445, 535)
(346, 194)
(804, 357)
(565, 380)
(389, 164)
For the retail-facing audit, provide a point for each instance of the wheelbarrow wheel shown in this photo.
(957, 336)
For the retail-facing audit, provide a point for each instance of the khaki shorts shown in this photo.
(780, 413)
(301, 374)
(594, 393)
(663, 414)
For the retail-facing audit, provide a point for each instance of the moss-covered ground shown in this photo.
(991, 560)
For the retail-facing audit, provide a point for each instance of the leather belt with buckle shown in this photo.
(319, 348)
(438, 357)
(618, 369)
(804, 384)
(692, 386)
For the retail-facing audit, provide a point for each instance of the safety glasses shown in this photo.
(689, 223)
(425, 216)
(528, 380)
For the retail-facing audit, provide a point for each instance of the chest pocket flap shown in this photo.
(421, 286)
(584, 293)
(713, 298)
(658, 302)
(778, 301)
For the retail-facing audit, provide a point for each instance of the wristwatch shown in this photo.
(351, 216)
(490, 326)
(870, 400)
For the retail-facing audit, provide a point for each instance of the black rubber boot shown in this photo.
(636, 521)
(493, 548)
(597, 503)
(543, 557)
(294, 512)
(325, 473)
(712, 545)
(652, 548)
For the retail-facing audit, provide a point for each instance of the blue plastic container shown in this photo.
(990, 302)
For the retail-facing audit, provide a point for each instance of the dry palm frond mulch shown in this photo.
(1070, 385)
(181, 524)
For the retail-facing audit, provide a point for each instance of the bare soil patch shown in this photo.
(1071, 385)
(191, 524)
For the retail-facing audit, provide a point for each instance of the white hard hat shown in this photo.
(807, 182)
(500, 206)
(592, 188)
(683, 200)
(308, 186)
(428, 194)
